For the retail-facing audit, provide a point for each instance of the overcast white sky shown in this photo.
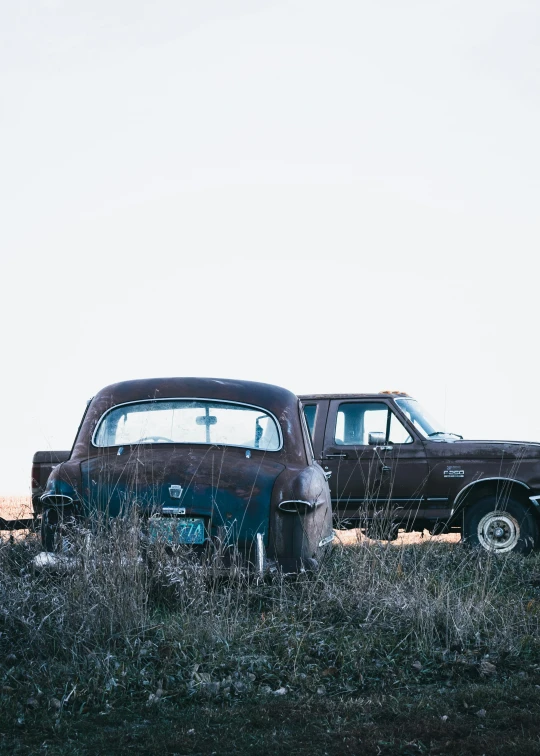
(330, 196)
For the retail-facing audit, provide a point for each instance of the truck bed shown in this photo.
(42, 464)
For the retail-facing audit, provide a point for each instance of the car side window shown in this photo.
(310, 412)
(356, 421)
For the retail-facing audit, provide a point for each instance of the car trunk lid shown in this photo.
(226, 486)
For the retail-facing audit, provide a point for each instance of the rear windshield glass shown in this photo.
(181, 421)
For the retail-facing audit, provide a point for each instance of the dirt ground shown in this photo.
(15, 507)
(350, 537)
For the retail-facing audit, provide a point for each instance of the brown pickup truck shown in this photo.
(392, 466)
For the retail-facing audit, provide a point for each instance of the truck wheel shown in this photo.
(500, 527)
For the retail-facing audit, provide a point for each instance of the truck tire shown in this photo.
(500, 527)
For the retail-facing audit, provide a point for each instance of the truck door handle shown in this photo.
(385, 468)
(337, 456)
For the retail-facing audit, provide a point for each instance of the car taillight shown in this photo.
(56, 500)
(296, 506)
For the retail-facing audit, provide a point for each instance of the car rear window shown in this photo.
(185, 421)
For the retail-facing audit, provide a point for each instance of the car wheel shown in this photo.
(49, 527)
(500, 527)
(54, 523)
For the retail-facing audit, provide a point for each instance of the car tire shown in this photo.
(500, 527)
(53, 527)
(49, 525)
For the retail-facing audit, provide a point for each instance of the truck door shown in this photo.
(378, 464)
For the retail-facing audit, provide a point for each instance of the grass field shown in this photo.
(417, 648)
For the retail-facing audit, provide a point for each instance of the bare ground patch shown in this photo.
(355, 536)
(15, 507)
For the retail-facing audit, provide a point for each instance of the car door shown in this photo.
(378, 463)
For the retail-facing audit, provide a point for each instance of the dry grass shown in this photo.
(20, 507)
(381, 634)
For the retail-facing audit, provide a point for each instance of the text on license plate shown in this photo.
(176, 530)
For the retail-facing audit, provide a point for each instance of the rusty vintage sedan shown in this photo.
(203, 461)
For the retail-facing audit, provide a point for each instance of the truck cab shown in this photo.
(391, 466)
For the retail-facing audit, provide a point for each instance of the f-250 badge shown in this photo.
(454, 471)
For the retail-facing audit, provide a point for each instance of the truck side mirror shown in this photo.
(376, 439)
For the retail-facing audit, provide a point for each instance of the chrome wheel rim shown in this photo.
(499, 532)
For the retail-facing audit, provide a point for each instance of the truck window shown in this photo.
(310, 412)
(398, 433)
(356, 420)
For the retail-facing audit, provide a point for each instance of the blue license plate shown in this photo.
(176, 530)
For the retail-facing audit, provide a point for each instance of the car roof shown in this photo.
(266, 395)
(379, 395)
